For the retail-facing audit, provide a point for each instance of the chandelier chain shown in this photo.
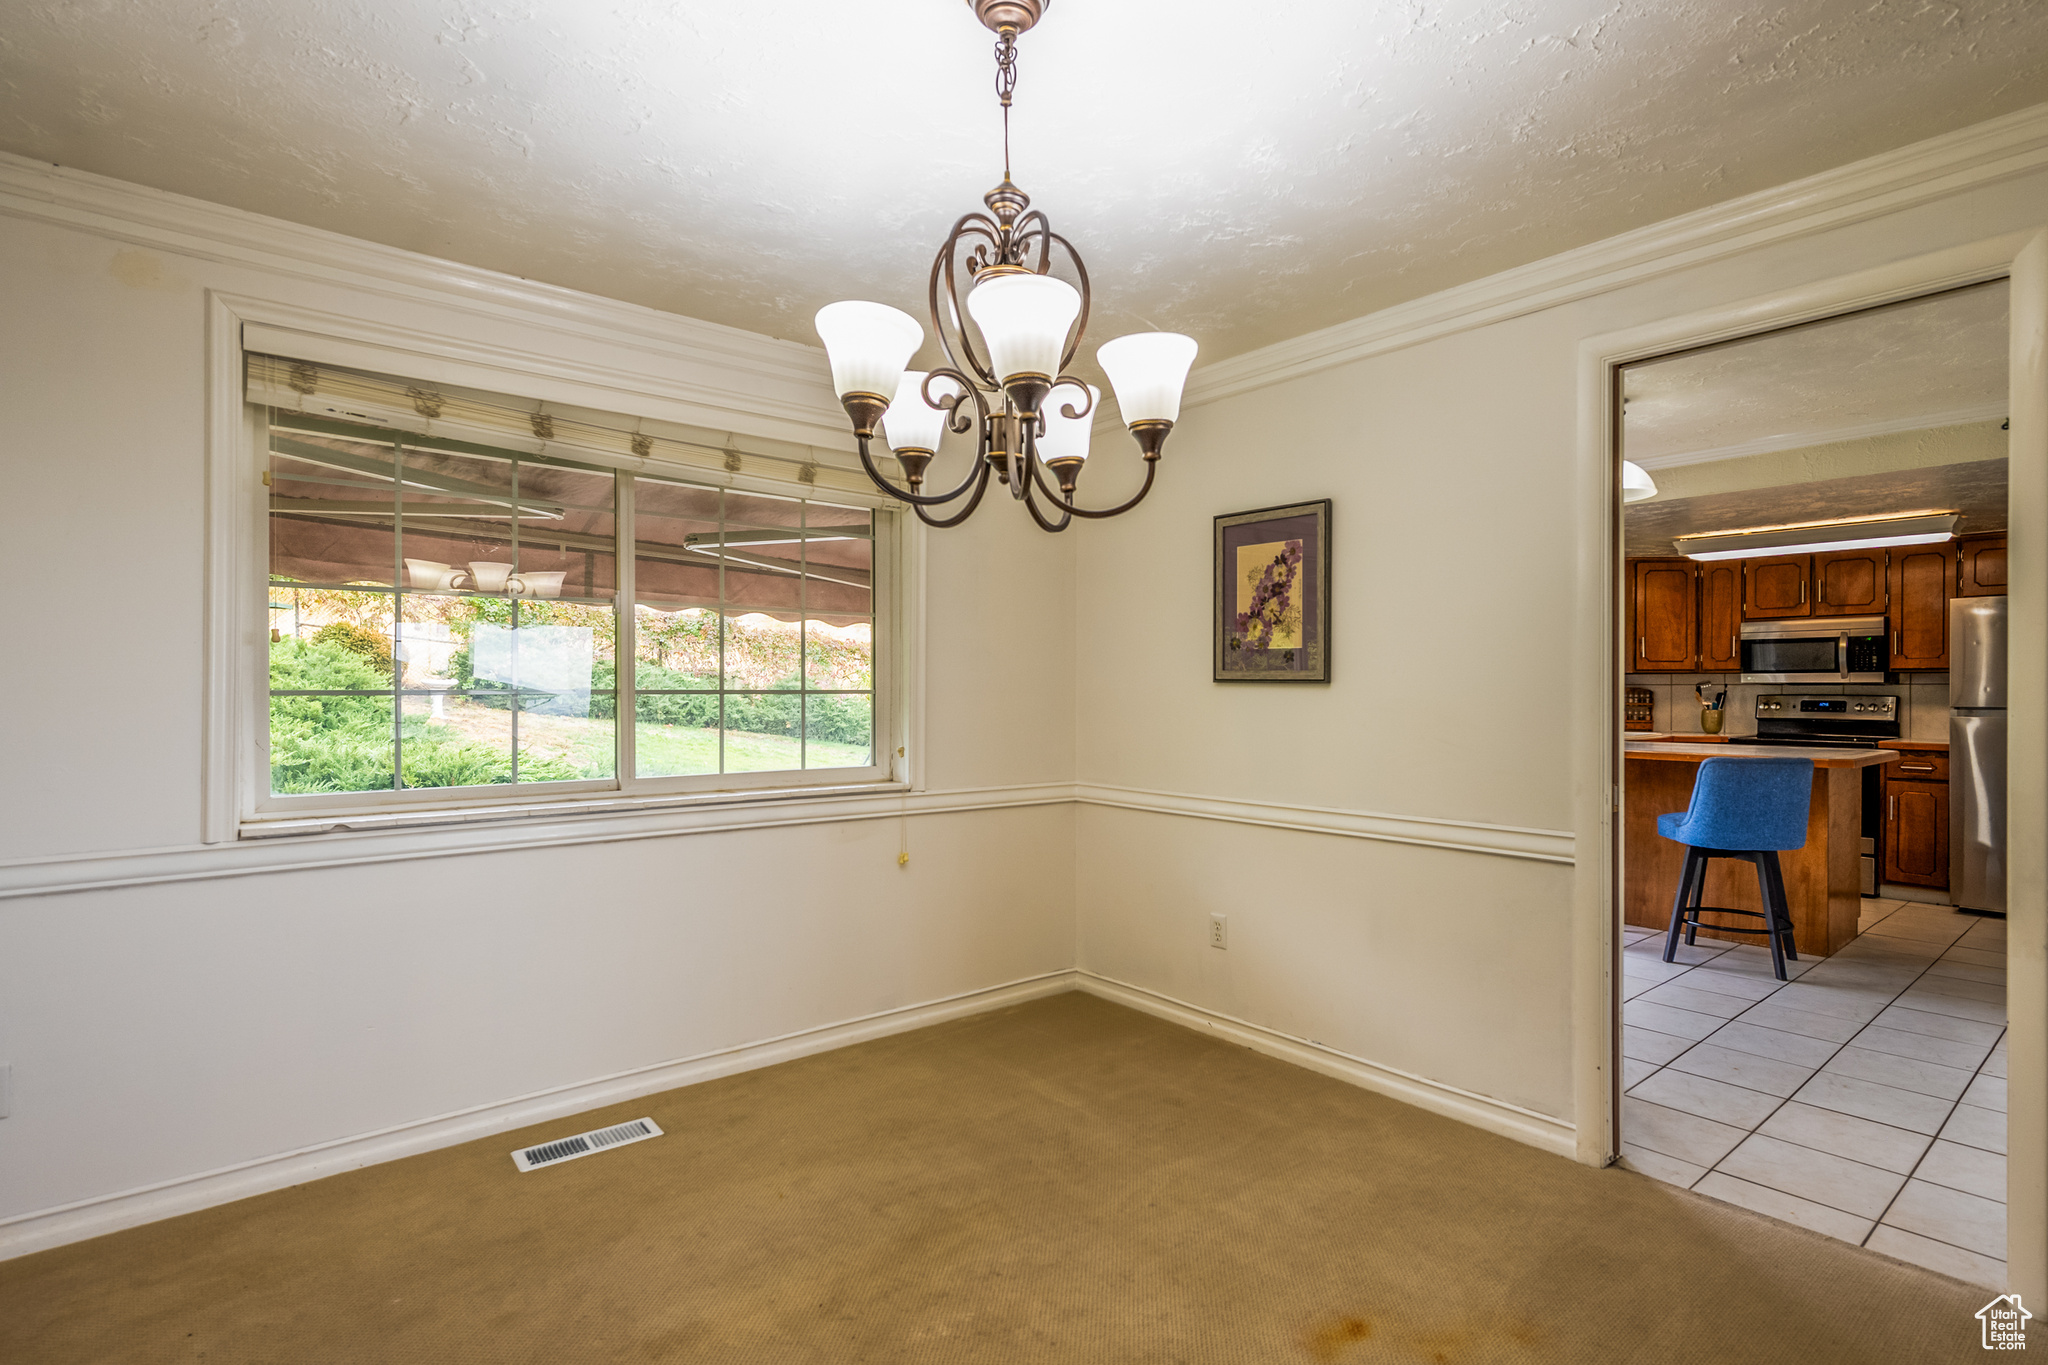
(1006, 82)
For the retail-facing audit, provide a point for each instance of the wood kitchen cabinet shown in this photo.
(1923, 578)
(1663, 615)
(1980, 566)
(1720, 633)
(1916, 815)
(1849, 583)
(1777, 587)
(1916, 833)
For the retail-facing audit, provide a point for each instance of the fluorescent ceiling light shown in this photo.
(1819, 537)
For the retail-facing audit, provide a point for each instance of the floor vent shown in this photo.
(583, 1144)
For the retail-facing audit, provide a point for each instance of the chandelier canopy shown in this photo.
(1031, 417)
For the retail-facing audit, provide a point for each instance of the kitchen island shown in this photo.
(1823, 880)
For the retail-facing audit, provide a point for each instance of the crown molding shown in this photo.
(1981, 154)
(1825, 436)
(725, 362)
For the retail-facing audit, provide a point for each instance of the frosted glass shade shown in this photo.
(1148, 370)
(868, 344)
(1636, 483)
(1066, 438)
(911, 423)
(1024, 319)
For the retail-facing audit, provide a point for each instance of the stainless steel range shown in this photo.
(1790, 718)
(1845, 722)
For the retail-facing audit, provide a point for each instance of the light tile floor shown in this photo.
(1865, 1098)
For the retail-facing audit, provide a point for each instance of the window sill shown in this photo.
(443, 817)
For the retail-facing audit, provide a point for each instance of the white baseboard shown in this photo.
(45, 1228)
(1495, 1116)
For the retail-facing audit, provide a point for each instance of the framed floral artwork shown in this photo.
(1272, 618)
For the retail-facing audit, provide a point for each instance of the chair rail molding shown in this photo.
(1462, 836)
(355, 840)
(344, 840)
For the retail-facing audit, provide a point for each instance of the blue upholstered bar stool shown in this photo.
(1747, 808)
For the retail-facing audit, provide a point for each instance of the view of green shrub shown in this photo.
(343, 744)
(361, 641)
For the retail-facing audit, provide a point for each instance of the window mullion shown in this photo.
(625, 631)
(397, 614)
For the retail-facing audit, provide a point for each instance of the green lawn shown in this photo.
(681, 750)
(676, 750)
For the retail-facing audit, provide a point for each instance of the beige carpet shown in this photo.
(1062, 1181)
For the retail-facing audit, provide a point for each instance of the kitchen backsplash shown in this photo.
(1923, 702)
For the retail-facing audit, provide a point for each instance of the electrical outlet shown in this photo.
(1219, 931)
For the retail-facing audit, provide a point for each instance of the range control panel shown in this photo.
(1796, 707)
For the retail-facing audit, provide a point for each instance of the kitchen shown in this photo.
(1815, 568)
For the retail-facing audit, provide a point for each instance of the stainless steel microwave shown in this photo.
(1841, 649)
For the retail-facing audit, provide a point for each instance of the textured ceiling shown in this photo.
(1934, 361)
(1241, 172)
(1977, 490)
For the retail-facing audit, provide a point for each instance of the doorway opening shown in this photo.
(1813, 565)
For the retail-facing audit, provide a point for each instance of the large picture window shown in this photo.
(446, 614)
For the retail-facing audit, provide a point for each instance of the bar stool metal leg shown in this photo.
(1699, 897)
(1773, 909)
(1690, 881)
(1783, 904)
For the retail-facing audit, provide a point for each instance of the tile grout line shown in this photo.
(1787, 1099)
(1922, 1160)
(1816, 1071)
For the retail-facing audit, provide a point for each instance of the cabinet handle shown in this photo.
(1802, 592)
(1895, 643)
(1916, 767)
(1642, 650)
(1895, 809)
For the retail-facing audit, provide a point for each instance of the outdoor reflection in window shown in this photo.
(439, 617)
(753, 620)
(444, 614)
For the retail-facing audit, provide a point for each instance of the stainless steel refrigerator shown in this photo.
(1976, 752)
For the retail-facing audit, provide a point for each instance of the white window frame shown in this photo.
(237, 796)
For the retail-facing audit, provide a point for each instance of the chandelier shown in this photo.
(1032, 418)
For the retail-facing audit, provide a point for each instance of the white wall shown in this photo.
(1451, 463)
(175, 1028)
(235, 1018)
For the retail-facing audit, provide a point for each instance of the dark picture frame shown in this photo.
(1271, 618)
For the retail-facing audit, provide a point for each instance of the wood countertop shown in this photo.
(1668, 752)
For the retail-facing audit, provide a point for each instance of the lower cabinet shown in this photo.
(1916, 833)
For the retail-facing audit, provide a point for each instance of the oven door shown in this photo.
(1792, 658)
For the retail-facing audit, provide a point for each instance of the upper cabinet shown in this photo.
(1662, 610)
(1849, 583)
(1923, 578)
(1980, 566)
(1720, 616)
(1777, 587)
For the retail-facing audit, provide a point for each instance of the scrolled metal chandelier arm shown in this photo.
(1066, 518)
(970, 225)
(1053, 497)
(980, 477)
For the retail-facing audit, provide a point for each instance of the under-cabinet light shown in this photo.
(1820, 537)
